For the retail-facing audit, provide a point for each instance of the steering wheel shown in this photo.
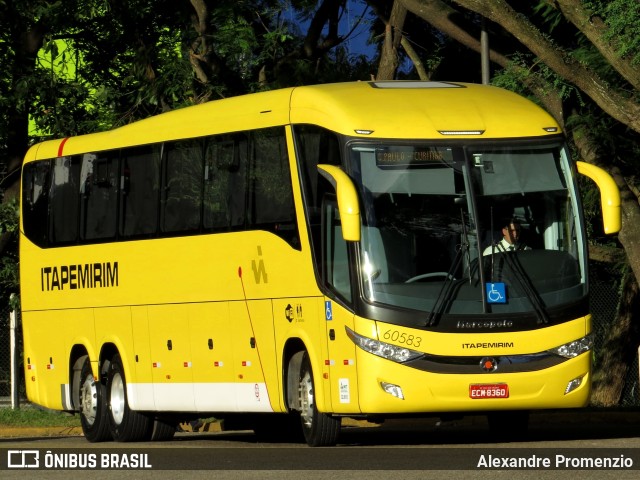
(430, 275)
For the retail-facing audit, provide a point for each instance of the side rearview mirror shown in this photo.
(609, 196)
(348, 204)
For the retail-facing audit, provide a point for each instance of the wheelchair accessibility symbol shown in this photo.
(328, 310)
(496, 293)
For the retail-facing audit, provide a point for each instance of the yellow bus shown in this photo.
(293, 257)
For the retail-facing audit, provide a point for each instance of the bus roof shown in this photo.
(386, 109)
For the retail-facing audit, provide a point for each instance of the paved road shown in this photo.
(399, 449)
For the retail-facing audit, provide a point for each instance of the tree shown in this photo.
(580, 60)
(118, 61)
(78, 66)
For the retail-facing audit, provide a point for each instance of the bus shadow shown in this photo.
(475, 430)
(560, 426)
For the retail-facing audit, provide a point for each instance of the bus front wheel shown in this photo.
(126, 425)
(320, 429)
(93, 411)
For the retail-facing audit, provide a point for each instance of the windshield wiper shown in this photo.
(446, 292)
(511, 258)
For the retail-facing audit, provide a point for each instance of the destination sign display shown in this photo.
(411, 156)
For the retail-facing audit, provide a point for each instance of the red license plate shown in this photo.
(493, 390)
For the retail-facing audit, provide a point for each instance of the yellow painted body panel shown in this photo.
(418, 112)
(465, 344)
(439, 392)
(174, 290)
(211, 342)
(342, 107)
(430, 392)
(218, 309)
(343, 370)
(140, 337)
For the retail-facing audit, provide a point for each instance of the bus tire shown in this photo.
(126, 425)
(320, 429)
(93, 406)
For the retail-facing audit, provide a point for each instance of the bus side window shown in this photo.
(271, 206)
(216, 184)
(315, 145)
(35, 201)
(139, 187)
(64, 201)
(99, 188)
(335, 258)
(225, 182)
(235, 161)
(182, 188)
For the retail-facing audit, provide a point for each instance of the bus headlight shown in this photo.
(575, 348)
(383, 349)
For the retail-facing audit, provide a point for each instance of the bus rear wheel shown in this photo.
(125, 424)
(320, 429)
(93, 410)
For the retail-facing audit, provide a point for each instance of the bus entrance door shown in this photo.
(341, 359)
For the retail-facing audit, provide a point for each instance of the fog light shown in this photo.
(392, 389)
(573, 384)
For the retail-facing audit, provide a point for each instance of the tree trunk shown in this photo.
(327, 17)
(448, 20)
(392, 38)
(17, 139)
(595, 30)
(623, 336)
(629, 235)
(205, 62)
(619, 349)
(415, 59)
(615, 103)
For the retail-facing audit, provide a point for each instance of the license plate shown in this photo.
(493, 390)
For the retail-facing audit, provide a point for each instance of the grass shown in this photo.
(31, 416)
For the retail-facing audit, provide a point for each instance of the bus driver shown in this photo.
(510, 240)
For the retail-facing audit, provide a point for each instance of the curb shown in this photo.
(22, 432)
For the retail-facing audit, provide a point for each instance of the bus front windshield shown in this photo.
(460, 231)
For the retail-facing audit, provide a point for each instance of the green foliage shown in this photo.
(236, 41)
(29, 416)
(9, 275)
(9, 217)
(621, 18)
(524, 67)
(550, 14)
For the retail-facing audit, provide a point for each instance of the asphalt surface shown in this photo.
(612, 418)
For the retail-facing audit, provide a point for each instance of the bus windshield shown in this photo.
(440, 224)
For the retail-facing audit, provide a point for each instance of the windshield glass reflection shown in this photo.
(437, 222)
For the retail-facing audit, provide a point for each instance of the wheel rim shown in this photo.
(306, 399)
(117, 398)
(89, 400)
